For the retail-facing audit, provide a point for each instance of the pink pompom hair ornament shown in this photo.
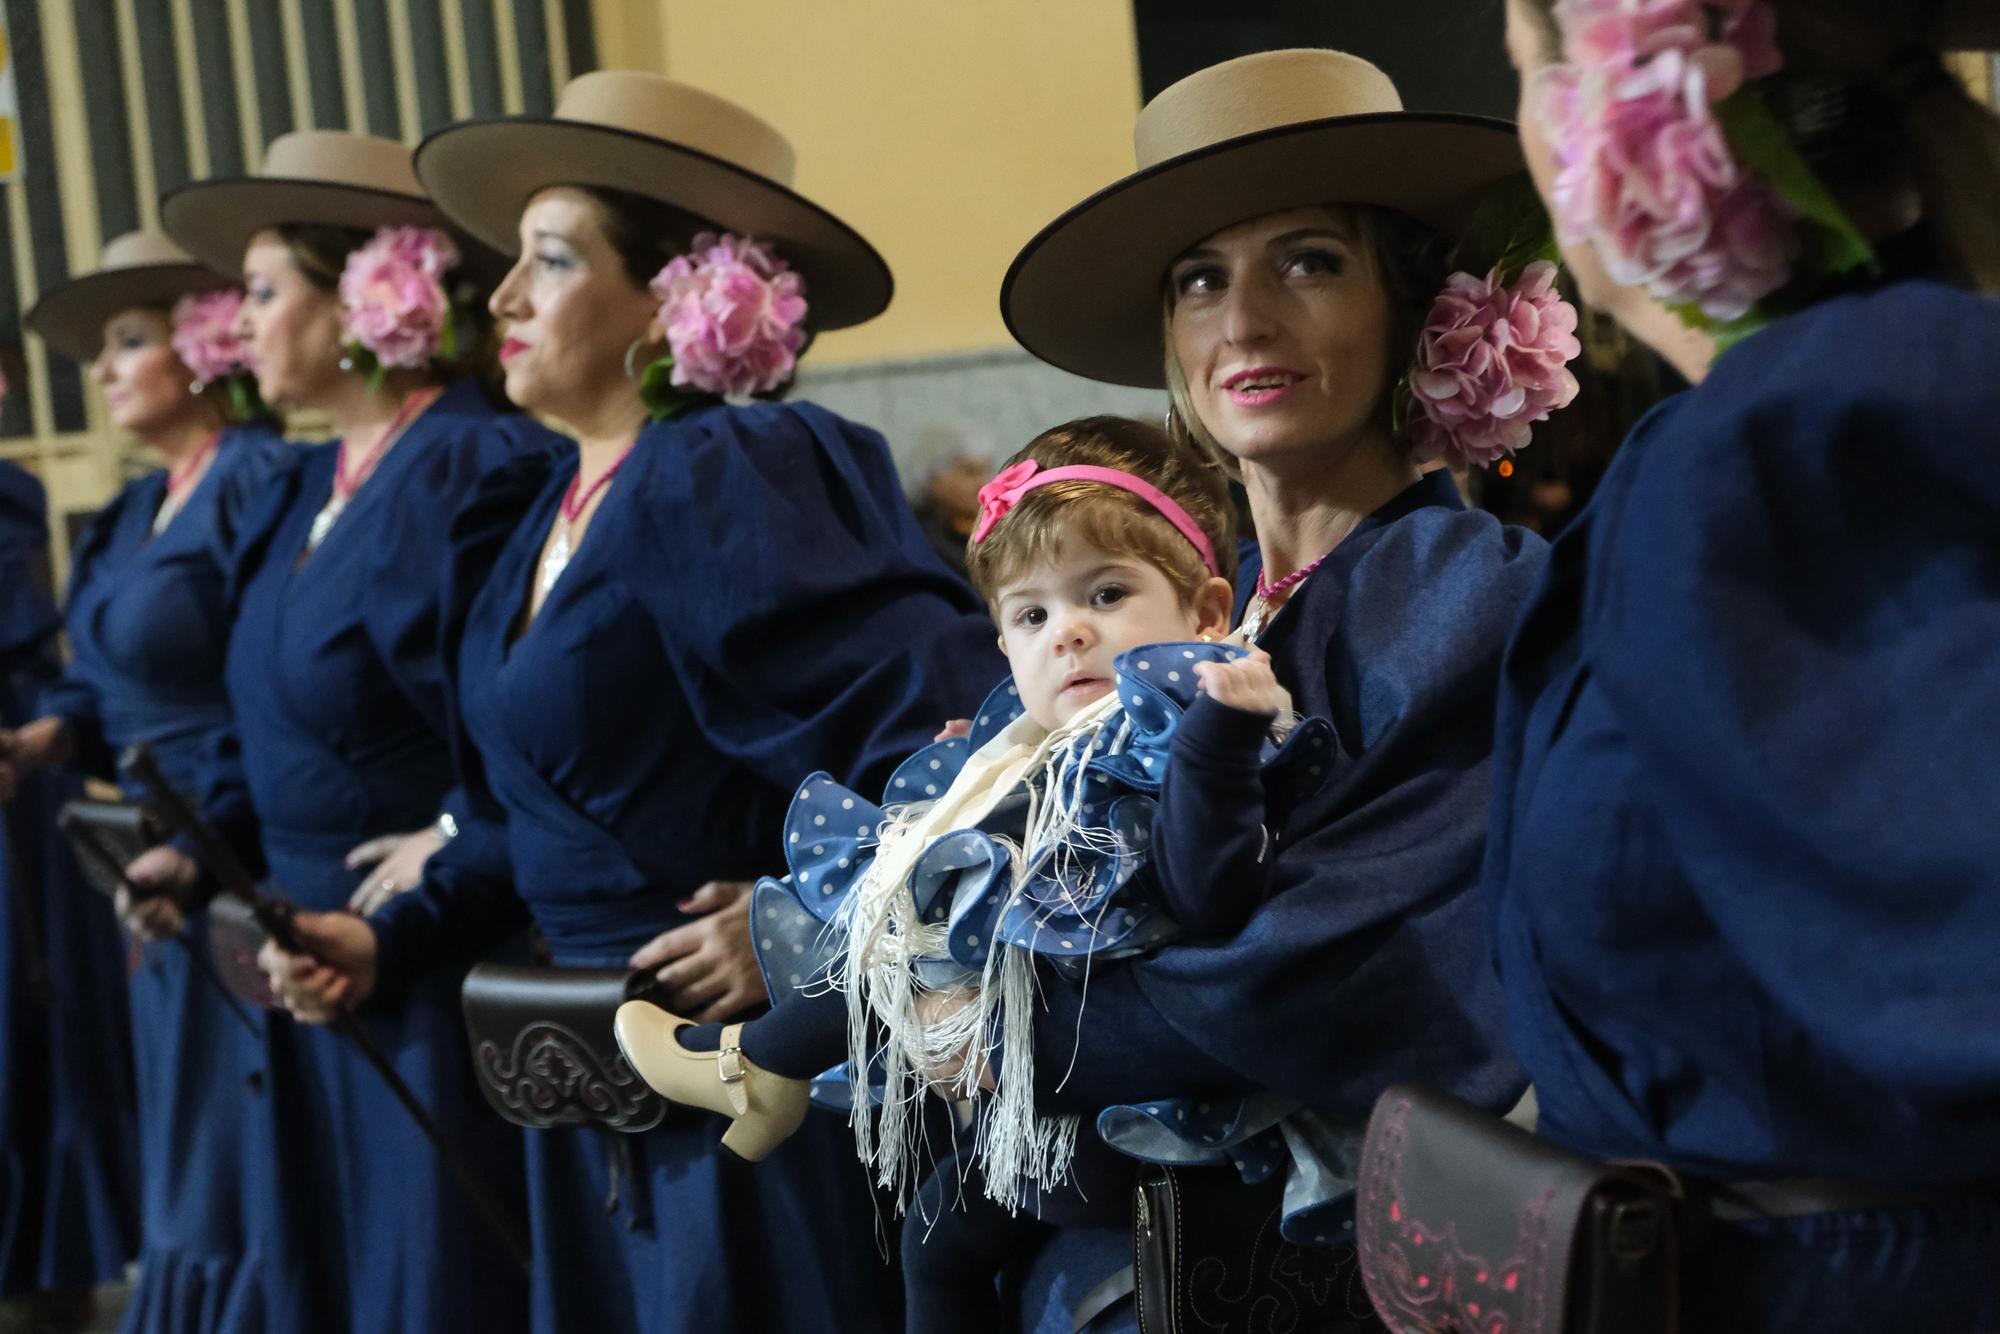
(733, 314)
(1669, 163)
(395, 309)
(208, 338)
(1492, 360)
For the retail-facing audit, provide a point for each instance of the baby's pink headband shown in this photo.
(1005, 491)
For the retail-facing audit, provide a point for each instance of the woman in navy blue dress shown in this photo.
(68, 1175)
(146, 629)
(334, 685)
(1294, 273)
(1742, 868)
(644, 668)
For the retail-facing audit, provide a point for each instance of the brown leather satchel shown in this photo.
(1207, 1256)
(1469, 1224)
(543, 1049)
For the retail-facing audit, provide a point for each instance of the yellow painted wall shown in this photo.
(947, 131)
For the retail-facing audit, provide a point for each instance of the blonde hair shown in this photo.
(1111, 520)
(1409, 260)
(1875, 112)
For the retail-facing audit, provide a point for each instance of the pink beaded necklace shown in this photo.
(573, 506)
(1260, 610)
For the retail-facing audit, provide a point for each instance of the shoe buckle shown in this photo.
(729, 1063)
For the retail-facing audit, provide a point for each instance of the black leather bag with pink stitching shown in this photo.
(1469, 1224)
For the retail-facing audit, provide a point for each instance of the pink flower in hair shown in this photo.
(208, 336)
(392, 295)
(734, 316)
(1644, 171)
(1493, 360)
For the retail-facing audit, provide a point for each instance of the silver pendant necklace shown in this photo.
(572, 508)
(557, 560)
(345, 486)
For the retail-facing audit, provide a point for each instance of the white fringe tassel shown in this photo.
(1012, 1145)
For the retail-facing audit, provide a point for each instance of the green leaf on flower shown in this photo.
(1509, 230)
(1728, 333)
(448, 336)
(1828, 241)
(662, 397)
(245, 404)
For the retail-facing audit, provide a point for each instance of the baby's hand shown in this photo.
(1243, 683)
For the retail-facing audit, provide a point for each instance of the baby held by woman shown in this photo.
(1109, 799)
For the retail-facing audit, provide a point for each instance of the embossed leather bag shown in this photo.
(1469, 1224)
(1208, 1257)
(543, 1050)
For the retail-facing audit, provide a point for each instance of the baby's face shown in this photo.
(1062, 624)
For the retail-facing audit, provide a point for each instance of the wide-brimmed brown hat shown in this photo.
(137, 269)
(1239, 140)
(309, 176)
(652, 136)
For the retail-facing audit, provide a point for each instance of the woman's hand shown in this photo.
(398, 860)
(167, 874)
(1246, 683)
(317, 989)
(707, 966)
(42, 744)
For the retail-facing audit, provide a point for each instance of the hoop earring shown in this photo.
(631, 354)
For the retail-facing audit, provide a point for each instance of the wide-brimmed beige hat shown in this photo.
(137, 269)
(1239, 140)
(309, 176)
(652, 136)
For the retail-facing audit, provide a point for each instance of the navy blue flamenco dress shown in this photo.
(147, 629)
(1367, 960)
(68, 1170)
(336, 691)
(752, 601)
(1743, 861)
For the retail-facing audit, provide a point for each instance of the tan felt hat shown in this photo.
(137, 269)
(1239, 140)
(309, 176)
(653, 136)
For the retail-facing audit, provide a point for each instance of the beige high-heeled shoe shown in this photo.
(764, 1109)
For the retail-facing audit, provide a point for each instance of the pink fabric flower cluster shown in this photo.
(392, 295)
(208, 335)
(734, 316)
(1492, 360)
(1644, 170)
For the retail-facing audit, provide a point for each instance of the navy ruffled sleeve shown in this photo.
(1792, 609)
(467, 904)
(407, 589)
(809, 621)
